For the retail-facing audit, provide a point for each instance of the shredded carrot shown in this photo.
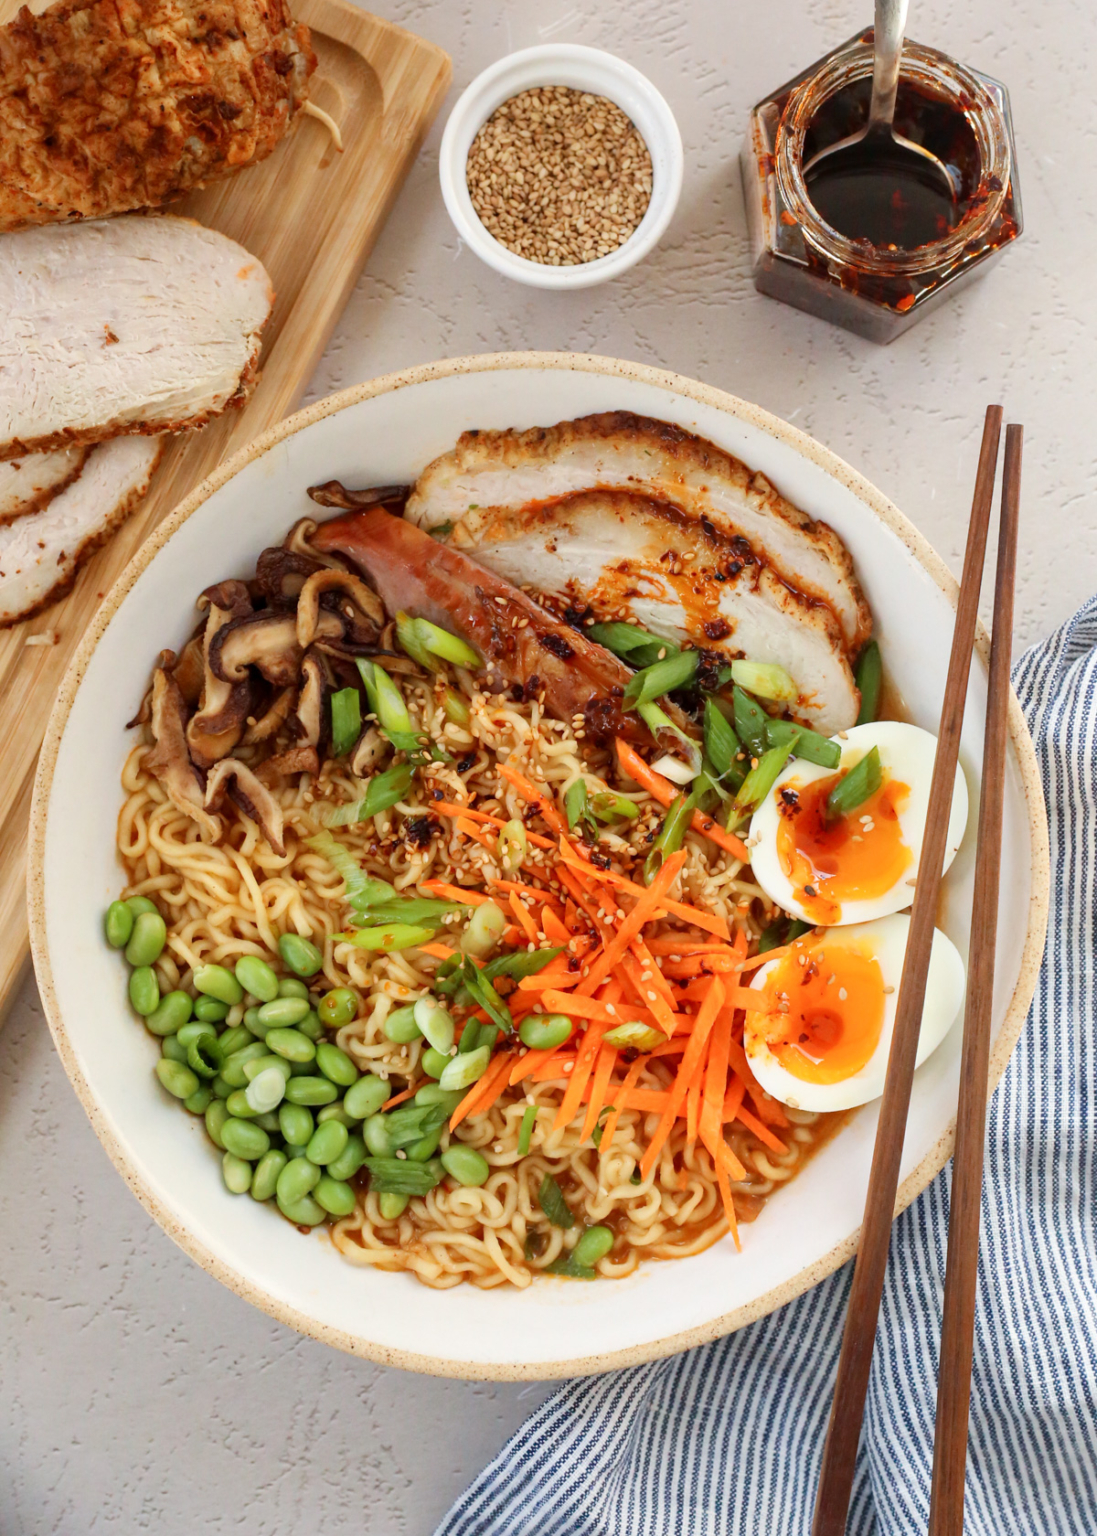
(526, 1065)
(684, 947)
(525, 922)
(641, 913)
(603, 1071)
(689, 914)
(477, 833)
(768, 1108)
(552, 927)
(618, 1099)
(483, 1093)
(693, 1097)
(702, 965)
(550, 814)
(551, 979)
(453, 893)
(716, 1073)
(439, 951)
(447, 808)
(585, 1058)
(744, 998)
(399, 1098)
(666, 793)
(557, 1066)
(611, 1013)
(535, 892)
(772, 954)
(763, 1132)
(651, 996)
(691, 1058)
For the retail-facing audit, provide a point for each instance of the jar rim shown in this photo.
(944, 78)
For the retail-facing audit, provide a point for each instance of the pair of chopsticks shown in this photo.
(954, 1380)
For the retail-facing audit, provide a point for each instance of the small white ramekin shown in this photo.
(583, 69)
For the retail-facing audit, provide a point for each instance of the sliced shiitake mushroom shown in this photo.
(268, 642)
(235, 779)
(274, 717)
(368, 751)
(169, 759)
(225, 704)
(281, 573)
(300, 759)
(333, 493)
(310, 700)
(353, 599)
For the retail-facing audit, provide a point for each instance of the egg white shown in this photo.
(944, 999)
(906, 754)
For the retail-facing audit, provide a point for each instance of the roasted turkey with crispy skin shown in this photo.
(111, 105)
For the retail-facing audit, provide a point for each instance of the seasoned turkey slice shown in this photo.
(619, 450)
(40, 554)
(29, 483)
(124, 325)
(649, 563)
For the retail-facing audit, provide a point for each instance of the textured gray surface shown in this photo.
(138, 1393)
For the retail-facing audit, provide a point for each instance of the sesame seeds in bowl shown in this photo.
(561, 166)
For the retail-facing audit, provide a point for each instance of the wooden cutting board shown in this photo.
(311, 215)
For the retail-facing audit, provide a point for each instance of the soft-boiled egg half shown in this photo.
(863, 864)
(822, 1042)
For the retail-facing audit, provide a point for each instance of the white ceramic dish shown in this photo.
(384, 432)
(584, 69)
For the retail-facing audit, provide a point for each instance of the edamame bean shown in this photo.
(336, 1064)
(594, 1244)
(200, 1100)
(144, 991)
(139, 904)
(303, 958)
(118, 925)
(433, 1062)
(336, 1197)
(256, 977)
(311, 1090)
(400, 1027)
(303, 1213)
(216, 1115)
(338, 1007)
(147, 940)
(171, 1048)
(253, 1022)
(296, 1124)
(216, 981)
(545, 1031)
(204, 1056)
(244, 1139)
(239, 1104)
(235, 1039)
(375, 1133)
(265, 1178)
(297, 1179)
(434, 1093)
(284, 1012)
(311, 1027)
(179, 1080)
(466, 1165)
(336, 1112)
(210, 1010)
(189, 1033)
(259, 1064)
(269, 1122)
(327, 1142)
(266, 1091)
(289, 986)
(435, 1024)
(291, 1044)
(233, 1070)
(221, 1089)
(236, 1174)
(347, 1164)
(365, 1097)
(392, 1206)
(423, 1150)
(170, 1015)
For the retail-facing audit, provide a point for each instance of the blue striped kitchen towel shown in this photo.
(726, 1440)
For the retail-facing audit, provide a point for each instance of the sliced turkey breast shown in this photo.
(135, 324)
(27, 484)
(619, 450)
(41, 554)
(649, 563)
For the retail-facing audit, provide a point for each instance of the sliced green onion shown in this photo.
(485, 928)
(858, 785)
(765, 679)
(575, 803)
(529, 1115)
(772, 937)
(550, 1197)
(466, 1068)
(519, 963)
(721, 743)
(346, 720)
(456, 708)
(387, 703)
(513, 845)
(410, 637)
(398, 1176)
(387, 937)
(671, 837)
(443, 530)
(448, 646)
(631, 643)
(664, 677)
(568, 1265)
(869, 678)
(435, 1023)
(386, 789)
(760, 780)
(812, 747)
(482, 992)
(656, 719)
(795, 929)
(750, 723)
(359, 885)
(634, 1037)
(608, 806)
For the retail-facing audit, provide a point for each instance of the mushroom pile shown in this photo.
(245, 702)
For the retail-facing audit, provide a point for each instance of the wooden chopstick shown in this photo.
(946, 1515)
(855, 1360)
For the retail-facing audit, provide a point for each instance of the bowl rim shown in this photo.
(620, 82)
(728, 1322)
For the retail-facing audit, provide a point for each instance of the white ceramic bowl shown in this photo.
(584, 69)
(384, 432)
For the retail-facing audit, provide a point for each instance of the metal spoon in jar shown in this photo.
(877, 148)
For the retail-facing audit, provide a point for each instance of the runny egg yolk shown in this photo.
(853, 858)
(835, 998)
